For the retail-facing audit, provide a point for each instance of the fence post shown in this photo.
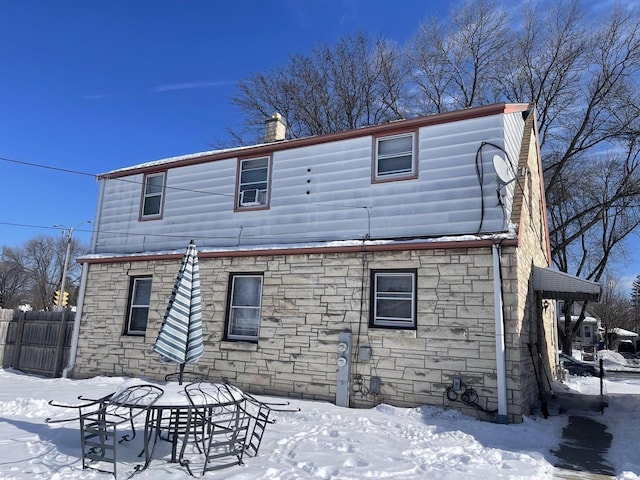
(5, 319)
(18, 343)
(601, 386)
(62, 333)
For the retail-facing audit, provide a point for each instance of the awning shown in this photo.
(562, 286)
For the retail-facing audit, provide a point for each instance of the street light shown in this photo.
(69, 233)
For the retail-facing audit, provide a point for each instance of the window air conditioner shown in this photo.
(249, 198)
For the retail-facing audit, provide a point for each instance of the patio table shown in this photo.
(173, 414)
(196, 412)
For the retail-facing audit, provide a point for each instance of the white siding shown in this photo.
(341, 202)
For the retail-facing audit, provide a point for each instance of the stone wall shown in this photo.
(536, 326)
(307, 301)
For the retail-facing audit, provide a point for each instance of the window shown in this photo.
(394, 157)
(253, 183)
(138, 312)
(393, 298)
(245, 300)
(152, 195)
(587, 331)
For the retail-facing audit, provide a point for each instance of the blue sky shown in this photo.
(91, 86)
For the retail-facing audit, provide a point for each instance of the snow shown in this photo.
(202, 251)
(321, 441)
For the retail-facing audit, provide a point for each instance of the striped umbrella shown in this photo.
(180, 336)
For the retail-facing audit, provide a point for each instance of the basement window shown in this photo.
(393, 299)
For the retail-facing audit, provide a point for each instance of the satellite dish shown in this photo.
(503, 169)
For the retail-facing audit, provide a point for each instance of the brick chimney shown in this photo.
(275, 129)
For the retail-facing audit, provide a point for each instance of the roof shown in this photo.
(558, 285)
(621, 332)
(260, 149)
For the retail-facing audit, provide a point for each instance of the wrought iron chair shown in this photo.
(100, 419)
(225, 424)
(98, 429)
(259, 413)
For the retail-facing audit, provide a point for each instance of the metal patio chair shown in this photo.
(258, 412)
(98, 428)
(218, 424)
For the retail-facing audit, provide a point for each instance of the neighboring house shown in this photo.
(403, 263)
(590, 335)
(617, 335)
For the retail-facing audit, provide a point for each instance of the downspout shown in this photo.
(76, 322)
(501, 371)
(75, 335)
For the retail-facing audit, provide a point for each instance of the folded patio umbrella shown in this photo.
(180, 336)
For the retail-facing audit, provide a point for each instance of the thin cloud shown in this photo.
(189, 86)
(94, 97)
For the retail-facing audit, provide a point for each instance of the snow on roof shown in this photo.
(450, 116)
(335, 244)
(163, 161)
(574, 318)
(623, 333)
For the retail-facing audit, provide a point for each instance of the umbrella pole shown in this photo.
(181, 373)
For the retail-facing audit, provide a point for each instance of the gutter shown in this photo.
(501, 371)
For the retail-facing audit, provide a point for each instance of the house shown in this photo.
(620, 336)
(403, 263)
(590, 335)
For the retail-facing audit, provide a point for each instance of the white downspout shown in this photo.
(73, 350)
(501, 371)
(76, 322)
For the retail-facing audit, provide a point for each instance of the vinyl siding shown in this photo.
(341, 203)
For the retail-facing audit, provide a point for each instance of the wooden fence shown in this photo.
(38, 342)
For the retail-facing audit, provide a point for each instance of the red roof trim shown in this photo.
(392, 247)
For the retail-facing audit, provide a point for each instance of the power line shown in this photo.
(26, 225)
(47, 167)
(119, 179)
(180, 189)
(167, 235)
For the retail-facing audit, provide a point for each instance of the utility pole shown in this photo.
(69, 234)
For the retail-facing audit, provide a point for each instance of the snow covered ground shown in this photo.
(323, 441)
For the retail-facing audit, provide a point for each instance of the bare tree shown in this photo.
(458, 65)
(584, 80)
(13, 282)
(40, 262)
(355, 83)
(616, 308)
(581, 70)
(585, 84)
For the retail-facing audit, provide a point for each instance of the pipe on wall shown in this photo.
(83, 286)
(76, 322)
(501, 371)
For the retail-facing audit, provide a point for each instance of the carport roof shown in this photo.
(562, 286)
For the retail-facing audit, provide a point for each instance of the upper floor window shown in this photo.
(138, 311)
(244, 306)
(152, 195)
(394, 157)
(253, 183)
(393, 298)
